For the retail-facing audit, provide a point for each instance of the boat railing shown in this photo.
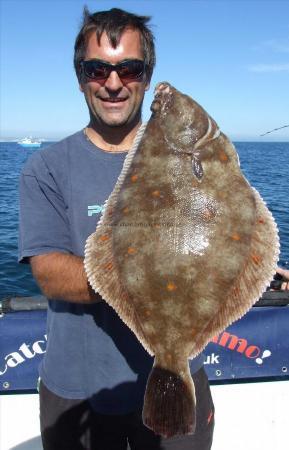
(10, 304)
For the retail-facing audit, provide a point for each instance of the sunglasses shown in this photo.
(132, 69)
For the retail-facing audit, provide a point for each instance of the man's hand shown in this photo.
(285, 274)
(280, 280)
(62, 277)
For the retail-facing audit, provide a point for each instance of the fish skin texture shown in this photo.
(184, 248)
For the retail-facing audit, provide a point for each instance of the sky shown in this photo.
(231, 56)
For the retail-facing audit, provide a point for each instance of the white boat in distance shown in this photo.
(29, 142)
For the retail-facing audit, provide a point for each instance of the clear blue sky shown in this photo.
(230, 56)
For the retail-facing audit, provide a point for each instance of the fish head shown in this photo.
(185, 124)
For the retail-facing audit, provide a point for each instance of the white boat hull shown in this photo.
(30, 145)
(251, 416)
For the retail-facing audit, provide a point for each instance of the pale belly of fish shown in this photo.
(184, 248)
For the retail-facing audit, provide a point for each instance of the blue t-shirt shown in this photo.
(91, 354)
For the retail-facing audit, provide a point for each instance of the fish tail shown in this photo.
(170, 402)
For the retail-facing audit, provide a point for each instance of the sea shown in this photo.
(265, 165)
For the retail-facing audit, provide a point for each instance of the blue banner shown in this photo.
(22, 345)
(256, 346)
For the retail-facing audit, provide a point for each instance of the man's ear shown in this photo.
(80, 87)
(147, 86)
(147, 80)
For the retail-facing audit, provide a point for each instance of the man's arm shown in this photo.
(62, 277)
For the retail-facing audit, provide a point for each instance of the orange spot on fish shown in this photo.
(222, 194)
(261, 220)
(131, 250)
(108, 266)
(171, 286)
(125, 210)
(222, 156)
(236, 290)
(256, 258)
(134, 178)
(207, 214)
(104, 238)
(156, 193)
(147, 313)
(236, 237)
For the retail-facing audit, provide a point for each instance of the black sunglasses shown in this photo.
(132, 69)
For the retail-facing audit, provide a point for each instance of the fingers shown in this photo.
(280, 281)
(285, 286)
(283, 272)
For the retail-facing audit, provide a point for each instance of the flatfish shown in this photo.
(185, 247)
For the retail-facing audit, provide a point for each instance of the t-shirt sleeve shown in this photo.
(43, 220)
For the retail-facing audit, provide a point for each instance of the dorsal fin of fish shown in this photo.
(255, 276)
(99, 261)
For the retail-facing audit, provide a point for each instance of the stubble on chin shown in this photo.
(128, 119)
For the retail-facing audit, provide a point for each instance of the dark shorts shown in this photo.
(73, 425)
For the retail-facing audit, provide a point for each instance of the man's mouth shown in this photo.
(113, 100)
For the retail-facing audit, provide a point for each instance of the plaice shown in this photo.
(184, 248)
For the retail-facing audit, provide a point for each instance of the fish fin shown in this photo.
(256, 275)
(169, 402)
(104, 279)
(99, 261)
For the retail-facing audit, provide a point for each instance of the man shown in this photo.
(94, 373)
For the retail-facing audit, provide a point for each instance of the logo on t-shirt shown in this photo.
(94, 209)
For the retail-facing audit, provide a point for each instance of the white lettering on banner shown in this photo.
(13, 359)
(37, 348)
(212, 359)
(24, 353)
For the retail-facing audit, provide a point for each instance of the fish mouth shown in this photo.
(162, 95)
(162, 88)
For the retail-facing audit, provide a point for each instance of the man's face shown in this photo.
(114, 102)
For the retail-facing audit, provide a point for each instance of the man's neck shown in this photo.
(112, 139)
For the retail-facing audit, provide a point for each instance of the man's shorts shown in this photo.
(73, 425)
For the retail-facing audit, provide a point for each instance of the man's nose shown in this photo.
(113, 82)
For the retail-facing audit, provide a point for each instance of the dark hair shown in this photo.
(114, 22)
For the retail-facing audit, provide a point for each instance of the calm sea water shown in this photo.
(266, 166)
